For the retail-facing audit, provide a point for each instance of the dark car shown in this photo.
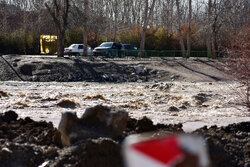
(130, 50)
(109, 49)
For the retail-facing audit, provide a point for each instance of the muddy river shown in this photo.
(194, 104)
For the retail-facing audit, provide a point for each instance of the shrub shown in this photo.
(238, 62)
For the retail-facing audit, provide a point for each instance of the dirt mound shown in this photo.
(27, 131)
(24, 142)
(72, 69)
(100, 152)
(228, 146)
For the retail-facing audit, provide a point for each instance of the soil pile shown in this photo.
(25, 142)
(228, 146)
(72, 69)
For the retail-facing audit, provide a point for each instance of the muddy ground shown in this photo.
(25, 142)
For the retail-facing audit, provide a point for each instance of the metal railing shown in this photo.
(114, 53)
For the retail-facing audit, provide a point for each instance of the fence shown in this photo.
(112, 53)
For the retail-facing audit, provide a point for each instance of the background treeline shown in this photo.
(167, 24)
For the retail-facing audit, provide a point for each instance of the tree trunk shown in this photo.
(115, 28)
(60, 42)
(179, 29)
(189, 29)
(214, 46)
(59, 14)
(208, 42)
(85, 30)
(85, 41)
(146, 20)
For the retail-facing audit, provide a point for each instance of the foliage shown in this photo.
(238, 61)
(156, 39)
(19, 42)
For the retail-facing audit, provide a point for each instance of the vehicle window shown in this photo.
(80, 47)
(106, 44)
(72, 46)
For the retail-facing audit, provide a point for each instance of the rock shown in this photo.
(52, 78)
(115, 77)
(98, 121)
(144, 125)
(66, 103)
(14, 64)
(174, 77)
(139, 81)
(4, 94)
(166, 86)
(144, 79)
(133, 78)
(114, 118)
(70, 77)
(105, 77)
(155, 86)
(140, 70)
(173, 109)
(67, 126)
(34, 78)
(183, 107)
(153, 72)
(201, 98)
(9, 116)
(5, 152)
(51, 152)
(27, 69)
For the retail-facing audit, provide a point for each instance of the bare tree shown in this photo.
(4, 16)
(189, 28)
(85, 29)
(179, 28)
(59, 11)
(238, 62)
(147, 14)
(208, 29)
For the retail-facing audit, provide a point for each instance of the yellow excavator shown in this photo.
(48, 44)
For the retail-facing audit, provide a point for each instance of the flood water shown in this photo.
(193, 104)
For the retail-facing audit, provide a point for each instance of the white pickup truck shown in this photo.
(77, 50)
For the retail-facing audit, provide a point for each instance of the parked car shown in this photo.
(130, 50)
(109, 49)
(77, 50)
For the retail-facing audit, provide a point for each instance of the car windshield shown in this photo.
(106, 44)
